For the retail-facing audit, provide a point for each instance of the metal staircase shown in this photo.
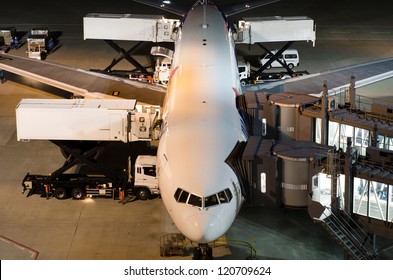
(350, 236)
(172, 244)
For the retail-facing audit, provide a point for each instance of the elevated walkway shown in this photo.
(365, 73)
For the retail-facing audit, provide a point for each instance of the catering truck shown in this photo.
(81, 127)
(142, 185)
(72, 120)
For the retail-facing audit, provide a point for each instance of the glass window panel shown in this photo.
(229, 194)
(150, 171)
(183, 197)
(345, 131)
(361, 139)
(381, 141)
(211, 200)
(195, 200)
(390, 203)
(318, 127)
(333, 134)
(360, 196)
(177, 193)
(222, 197)
(389, 143)
(377, 208)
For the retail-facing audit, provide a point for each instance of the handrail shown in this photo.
(357, 237)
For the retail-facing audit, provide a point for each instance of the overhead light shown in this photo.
(166, 2)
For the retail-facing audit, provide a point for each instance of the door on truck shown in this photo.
(116, 126)
(146, 182)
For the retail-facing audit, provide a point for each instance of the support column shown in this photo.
(348, 177)
(352, 94)
(324, 115)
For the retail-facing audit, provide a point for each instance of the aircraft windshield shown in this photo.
(183, 196)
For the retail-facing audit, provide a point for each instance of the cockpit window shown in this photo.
(229, 194)
(183, 196)
(195, 200)
(211, 200)
(177, 193)
(223, 197)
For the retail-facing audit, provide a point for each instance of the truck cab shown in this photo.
(162, 71)
(79, 186)
(244, 72)
(145, 181)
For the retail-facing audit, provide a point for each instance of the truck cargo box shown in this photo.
(74, 119)
(128, 27)
(276, 29)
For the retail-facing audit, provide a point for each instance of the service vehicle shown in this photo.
(8, 35)
(244, 73)
(39, 44)
(143, 185)
(289, 57)
(162, 71)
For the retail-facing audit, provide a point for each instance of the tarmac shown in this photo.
(104, 229)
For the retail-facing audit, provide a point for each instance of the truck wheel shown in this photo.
(77, 193)
(60, 193)
(290, 65)
(143, 194)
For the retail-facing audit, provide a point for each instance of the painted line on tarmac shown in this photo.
(34, 254)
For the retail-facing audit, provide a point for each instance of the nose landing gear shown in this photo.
(203, 252)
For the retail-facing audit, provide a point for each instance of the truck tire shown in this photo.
(290, 65)
(77, 193)
(60, 193)
(143, 194)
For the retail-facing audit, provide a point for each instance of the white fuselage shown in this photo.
(201, 126)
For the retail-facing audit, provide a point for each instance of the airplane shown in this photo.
(201, 124)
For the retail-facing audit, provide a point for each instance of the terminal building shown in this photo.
(330, 154)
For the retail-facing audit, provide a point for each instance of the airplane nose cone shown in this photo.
(203, 228)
